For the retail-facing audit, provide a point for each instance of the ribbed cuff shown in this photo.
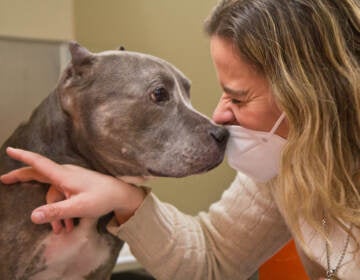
(147, 229)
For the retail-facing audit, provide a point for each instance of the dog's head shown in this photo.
(131, 115)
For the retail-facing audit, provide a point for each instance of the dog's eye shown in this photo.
(159, 95)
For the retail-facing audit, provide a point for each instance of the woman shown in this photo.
(290, 75)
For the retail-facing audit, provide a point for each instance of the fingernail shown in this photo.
(38, 216)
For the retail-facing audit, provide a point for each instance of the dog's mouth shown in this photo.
(157, 173)
(181, 173)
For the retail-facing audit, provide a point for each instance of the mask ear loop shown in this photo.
(277, 123)
(265, 139)
(271, 132)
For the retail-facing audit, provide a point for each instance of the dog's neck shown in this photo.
(46, 132)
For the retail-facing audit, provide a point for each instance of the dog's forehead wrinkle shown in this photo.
(184, 79)
(160, 77)
(184, 97)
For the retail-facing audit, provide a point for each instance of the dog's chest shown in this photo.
(72, 255)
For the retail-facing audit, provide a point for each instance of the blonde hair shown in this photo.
(310, 52)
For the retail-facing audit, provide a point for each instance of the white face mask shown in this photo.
(255, 153)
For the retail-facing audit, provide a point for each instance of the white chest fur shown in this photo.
(72, 255)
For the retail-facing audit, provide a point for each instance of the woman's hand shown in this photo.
(87, 193)
(53, 195)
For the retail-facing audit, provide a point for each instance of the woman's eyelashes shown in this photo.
(236, 101)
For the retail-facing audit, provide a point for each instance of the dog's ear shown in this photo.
(78, 73)
(80, 64)
(80, 56)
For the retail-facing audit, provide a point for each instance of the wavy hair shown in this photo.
(310, 53)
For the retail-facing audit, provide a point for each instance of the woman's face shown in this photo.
(246, 98)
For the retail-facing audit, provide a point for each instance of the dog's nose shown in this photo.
(220, 134)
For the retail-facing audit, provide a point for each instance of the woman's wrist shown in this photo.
(134, 198)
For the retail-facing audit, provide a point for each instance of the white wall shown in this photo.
(37, 19)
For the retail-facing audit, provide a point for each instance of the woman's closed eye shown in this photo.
(236, 96)
(236, 101)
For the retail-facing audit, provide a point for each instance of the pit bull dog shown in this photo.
(120, 113)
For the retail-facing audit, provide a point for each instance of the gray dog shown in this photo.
(117, 112)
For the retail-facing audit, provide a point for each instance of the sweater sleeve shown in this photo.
(239, 232)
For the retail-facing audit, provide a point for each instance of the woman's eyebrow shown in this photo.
(234, 91)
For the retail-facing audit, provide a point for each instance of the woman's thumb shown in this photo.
(54, 211)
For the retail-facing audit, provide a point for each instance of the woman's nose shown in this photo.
(223, 114)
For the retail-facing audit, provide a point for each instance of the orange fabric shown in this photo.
(284, 265)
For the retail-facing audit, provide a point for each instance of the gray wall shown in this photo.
(29, 71)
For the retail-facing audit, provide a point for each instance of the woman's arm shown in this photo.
(88, 193)
(231, 241)
(238, 233)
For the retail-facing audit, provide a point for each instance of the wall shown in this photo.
(37, 19)
(28, 73)
(31, 54)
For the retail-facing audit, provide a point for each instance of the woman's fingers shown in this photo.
(46, 167)
(53, 195)
(24, 174)
(56, 226)
(69, 225)
(65, 209)
(51, 212)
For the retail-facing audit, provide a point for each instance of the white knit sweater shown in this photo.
(238, 234)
